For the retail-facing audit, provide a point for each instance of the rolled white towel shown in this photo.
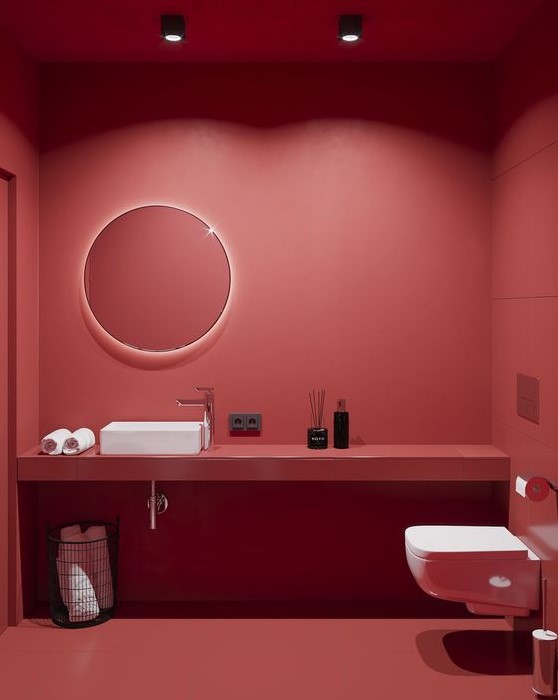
(99, 562)
(53, 443)
(74, 575)
(76, 591)
(79, 441)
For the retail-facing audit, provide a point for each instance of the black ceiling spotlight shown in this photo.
(350, 27)
(173, 27)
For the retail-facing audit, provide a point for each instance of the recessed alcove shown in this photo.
(265, 529)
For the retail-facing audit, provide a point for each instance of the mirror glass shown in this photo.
(157, 278)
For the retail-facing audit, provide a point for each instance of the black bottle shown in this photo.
(341, 426)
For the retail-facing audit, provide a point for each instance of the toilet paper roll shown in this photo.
(535, 488)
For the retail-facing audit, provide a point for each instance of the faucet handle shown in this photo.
(209, 417)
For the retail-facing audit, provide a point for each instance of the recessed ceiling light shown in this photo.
(350, 27)
(173, 27)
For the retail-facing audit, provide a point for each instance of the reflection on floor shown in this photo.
(267, 659)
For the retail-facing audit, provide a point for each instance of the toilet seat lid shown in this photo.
(464, 542)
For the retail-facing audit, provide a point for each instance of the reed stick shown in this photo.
(317, 402)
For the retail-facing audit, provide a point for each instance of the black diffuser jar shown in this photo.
(317, 438)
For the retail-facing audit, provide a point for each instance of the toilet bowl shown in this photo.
(487, 568)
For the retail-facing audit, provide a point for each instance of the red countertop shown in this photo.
(277, 463)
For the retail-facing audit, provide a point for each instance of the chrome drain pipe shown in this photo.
(157, 504)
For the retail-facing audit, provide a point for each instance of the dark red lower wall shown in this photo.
(296, 542)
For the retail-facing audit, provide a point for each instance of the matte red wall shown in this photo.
(353, 202)
(19, 298)
(525, 277)
(4, 410)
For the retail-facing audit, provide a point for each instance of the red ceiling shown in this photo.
(265, 30)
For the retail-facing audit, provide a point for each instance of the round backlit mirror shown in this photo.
(157, 278)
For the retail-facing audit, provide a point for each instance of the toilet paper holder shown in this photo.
(535, 488)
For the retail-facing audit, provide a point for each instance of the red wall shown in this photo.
(354, 205)
(4, 410)
(19, 299)
(353, 202)
(525, 276)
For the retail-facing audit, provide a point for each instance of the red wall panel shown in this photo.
(353, 203)
(526, 104)
(525, 288)
(19, 161)
(3, 402)
(305, 542)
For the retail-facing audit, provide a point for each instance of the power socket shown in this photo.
(245, 424)
(237, 421)
(253, 421)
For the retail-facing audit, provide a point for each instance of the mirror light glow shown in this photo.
(157, 278)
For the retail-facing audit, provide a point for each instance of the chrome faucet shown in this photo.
(208, 404)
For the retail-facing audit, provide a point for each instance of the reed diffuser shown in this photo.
(317, 434)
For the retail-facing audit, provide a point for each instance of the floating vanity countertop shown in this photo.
(277, 463)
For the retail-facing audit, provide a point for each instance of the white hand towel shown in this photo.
(76, 591)
(73, 566)
(100, 572)
(79, 441)
(53, 443)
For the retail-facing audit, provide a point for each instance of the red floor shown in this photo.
(254, 659)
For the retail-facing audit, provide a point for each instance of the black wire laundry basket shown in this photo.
(82, 572)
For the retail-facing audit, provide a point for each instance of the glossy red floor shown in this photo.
(257, 659)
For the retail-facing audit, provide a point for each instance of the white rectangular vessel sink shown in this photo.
(151, 438)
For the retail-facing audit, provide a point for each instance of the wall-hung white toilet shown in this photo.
(487, 568)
